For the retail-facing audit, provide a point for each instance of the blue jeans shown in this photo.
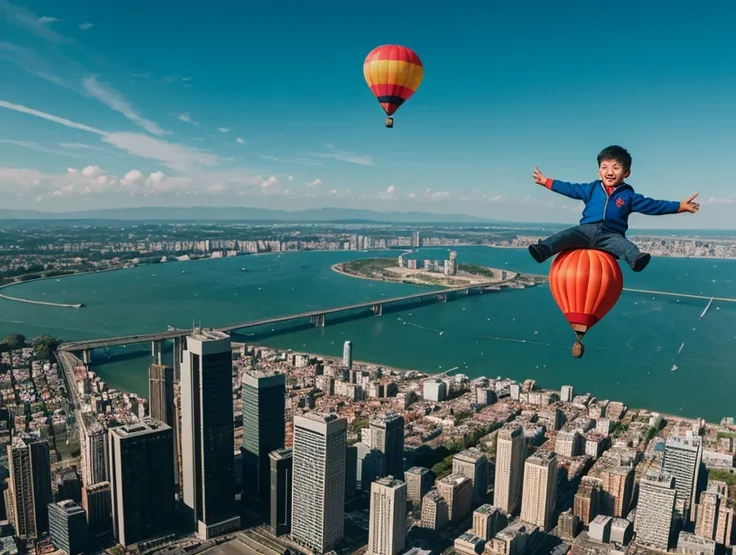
(590, 236)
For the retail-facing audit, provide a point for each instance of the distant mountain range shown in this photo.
(225, 213)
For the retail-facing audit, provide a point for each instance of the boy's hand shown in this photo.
(539, 177)
(689, 204)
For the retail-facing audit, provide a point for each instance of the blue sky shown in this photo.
(111, 104)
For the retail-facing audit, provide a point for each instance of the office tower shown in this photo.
(95, 452)
(618, 487)
(415, 239)
(68, 486)
(708, 510)
(654, 509)
(207, 434)
(387, 435)
(387, 524)
(263, 432)
(566, 393)
(457, 490)
(418, 483)
(161, 393)
(510, 455)
(30, 486)
(372, 468)
(351, 472)
(281, 479)
(540, 490)
(682, 459)
(488, 521)
(434, 390)
(473, 464)
(142, 481)
(569, 444)
(68, 527)
(434, 511)
(318, 506)
(588, 499)
(97, 503)
(347, 355)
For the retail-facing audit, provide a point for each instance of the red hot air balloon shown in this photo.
(393, 73)
(586, 284)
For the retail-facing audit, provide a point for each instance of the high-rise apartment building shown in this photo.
(161, 393)
(709, 507)
(510, 456)
(142, 481)
(457, 490)
(473, 464)
(434, 511)
(488, 521)
(30, 486)
(318, 490)
(588, 499)
(387, 524)
(387, 435)
(655, 508)
(68, 527)
(207, 433)
(566, 394)
(263, 432)
(347, 355)
(682, 459)
(281, 480)
(569, 444)
(618, 487)
(540, 490)
(418, 483)
(95, 452)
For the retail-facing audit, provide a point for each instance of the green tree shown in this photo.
(14, 341)
(44, 346)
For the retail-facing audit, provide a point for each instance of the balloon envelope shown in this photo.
(393, 73)
(585, 284)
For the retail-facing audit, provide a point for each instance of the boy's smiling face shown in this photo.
(612, 173)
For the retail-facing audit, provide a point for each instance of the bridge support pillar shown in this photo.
(377, 309)
(442, 297)
(87, 356)
(467, 291)
(157, 351)
(318, 320)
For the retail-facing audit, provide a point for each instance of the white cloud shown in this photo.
(49, 117)
(722, 200)
(436, 195)
(86, 26)
(240, 141)
(72, 171)
(91, 171)
(23, 17)
(290, 178)
(343, 156)
(175, 156)
(115, 101)
(314, 183)
(223, 129)
(388, 194)
(411, 196)
(39, 148)
(270, 182)
(46, 20)
(82, 146)
(186, 117)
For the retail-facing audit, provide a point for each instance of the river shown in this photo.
(515, 333)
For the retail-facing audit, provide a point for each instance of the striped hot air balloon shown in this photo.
(585, 284)
(393, 73)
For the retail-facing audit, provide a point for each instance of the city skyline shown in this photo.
(175, 115)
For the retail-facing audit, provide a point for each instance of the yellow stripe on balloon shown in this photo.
(393, 72)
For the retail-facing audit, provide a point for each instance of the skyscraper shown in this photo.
(142, 481)
(682, 459)
(473, 464)
(318, 506)
(95, 465)
(708, 510)
(387, 524)
(654, 509)
(207, 433)
(161, 393)
(263, 432)
(510, 456)
(540, 490)
(68, 527)
(281, 479)
(30, 483)
(97, 503)
(387, 435)
(347, 355)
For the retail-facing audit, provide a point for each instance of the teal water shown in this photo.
(629, 355)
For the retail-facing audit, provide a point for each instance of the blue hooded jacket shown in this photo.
(612, 210)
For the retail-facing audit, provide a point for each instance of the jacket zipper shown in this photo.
(608, 197)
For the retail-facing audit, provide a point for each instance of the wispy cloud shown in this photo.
(49, 117)
(115, 100)
(314, 183)
(223, 129)
(39, 148)
(186, 117)
(343, 156)
(45, 20)
(82, 146)
(86, 26)
(240, 141)
(25, 18)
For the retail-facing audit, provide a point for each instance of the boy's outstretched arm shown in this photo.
(577, 191)
(651, 207)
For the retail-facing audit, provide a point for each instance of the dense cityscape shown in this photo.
(249, 449)
(31, 250)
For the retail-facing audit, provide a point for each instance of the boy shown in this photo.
(608, 203)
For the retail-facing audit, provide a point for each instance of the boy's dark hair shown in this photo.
(617, 153)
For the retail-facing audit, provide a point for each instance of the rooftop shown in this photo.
(658, 478)
(487, 509)
(542, 459)
(139, 428)
(390, 482)
(283, 453)
(208, 335)
(417, 470)
(453, 479)
(471, 455)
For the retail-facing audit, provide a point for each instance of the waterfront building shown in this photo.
(347, 355)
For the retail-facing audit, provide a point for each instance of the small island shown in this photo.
(441, 273)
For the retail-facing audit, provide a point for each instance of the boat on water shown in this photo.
(80, 305)
(674, 367)
(244, 270)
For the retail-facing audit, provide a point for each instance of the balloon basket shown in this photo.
(389, 122)
(578, 350)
